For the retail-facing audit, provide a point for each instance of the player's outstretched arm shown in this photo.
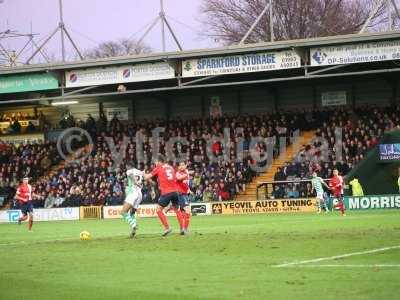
(147, 176)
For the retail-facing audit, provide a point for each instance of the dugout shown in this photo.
(375, 176)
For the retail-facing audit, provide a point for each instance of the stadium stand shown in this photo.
(356, 130)
(94, 181)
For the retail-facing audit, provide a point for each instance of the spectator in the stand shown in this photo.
(30, 128)
(50, 200)
(292, 192)
(278, 192)
(15, 127)
(208, 194)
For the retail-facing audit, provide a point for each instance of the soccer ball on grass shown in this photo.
(84, 235)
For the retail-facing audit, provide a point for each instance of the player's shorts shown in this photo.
(134, 198)
(338, 196)
(183, 200)
(320, 196)
(26, 207)
(166, 199)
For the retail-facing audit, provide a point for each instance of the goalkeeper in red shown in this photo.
(337, 184)
(24, 197)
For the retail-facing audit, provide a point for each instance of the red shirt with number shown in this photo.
(24, 193)
(183, 184)
(336, 184)
(166, 178)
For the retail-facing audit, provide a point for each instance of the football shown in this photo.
(84, 235)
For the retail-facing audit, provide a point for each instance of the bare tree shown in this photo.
(229, 20)
(118, 48)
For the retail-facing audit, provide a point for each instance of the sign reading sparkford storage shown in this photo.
(355, 53)
(258, 62)
(259, 207)
(27, 83)
(112, 75)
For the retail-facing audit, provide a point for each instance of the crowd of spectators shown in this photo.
(96, 180)
(352, 132)
(32, 160)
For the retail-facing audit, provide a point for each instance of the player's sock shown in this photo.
(163, 219)
(30, 224)
(341, 207)
(23, 218)
(180, 217)
(130, 219)
(187, 220)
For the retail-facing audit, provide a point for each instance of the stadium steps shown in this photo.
(54, 170)
(291, 151)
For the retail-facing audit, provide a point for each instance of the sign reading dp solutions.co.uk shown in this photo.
(122, 74)
(355, 53)
(246, 63)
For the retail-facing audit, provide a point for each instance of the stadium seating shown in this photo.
(95, 181)
(356, 130)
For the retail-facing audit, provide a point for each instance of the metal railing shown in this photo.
(296, 188)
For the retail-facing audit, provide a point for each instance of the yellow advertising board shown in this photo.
(263, 207)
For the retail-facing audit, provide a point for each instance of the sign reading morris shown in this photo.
(112, 75)
(257, 62)
(27, 83)
(355, 53)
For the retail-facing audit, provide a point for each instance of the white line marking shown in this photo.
(335, 257)
(345, 266)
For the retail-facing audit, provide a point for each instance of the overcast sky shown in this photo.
(94, 21)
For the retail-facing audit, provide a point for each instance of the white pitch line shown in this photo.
(335, 257)
(346, 266)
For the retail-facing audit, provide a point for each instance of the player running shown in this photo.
(336, 184)
(24, 197)
(317, 184)
(133, 198)
(182, 181)
(169, 192)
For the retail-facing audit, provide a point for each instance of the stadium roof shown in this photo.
(228, 50)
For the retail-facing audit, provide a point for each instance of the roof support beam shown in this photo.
(216, 85)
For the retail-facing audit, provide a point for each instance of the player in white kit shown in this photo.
(317, 185)
(133, 197)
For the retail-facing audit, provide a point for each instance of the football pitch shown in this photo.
(297, 256)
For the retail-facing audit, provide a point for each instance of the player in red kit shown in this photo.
(169, 192)
(182, 181)
(336, 184)
(24, 197)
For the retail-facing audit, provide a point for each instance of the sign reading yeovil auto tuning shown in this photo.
(112, 75)
(256, 62)
(355, 53)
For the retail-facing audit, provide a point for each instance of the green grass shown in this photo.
(225, 257)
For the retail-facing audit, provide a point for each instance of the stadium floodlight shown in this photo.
(164, 22)
(63, 30)
(61, 103)
(388, 5)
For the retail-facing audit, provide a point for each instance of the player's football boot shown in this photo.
(167, 231)
(133, 232)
